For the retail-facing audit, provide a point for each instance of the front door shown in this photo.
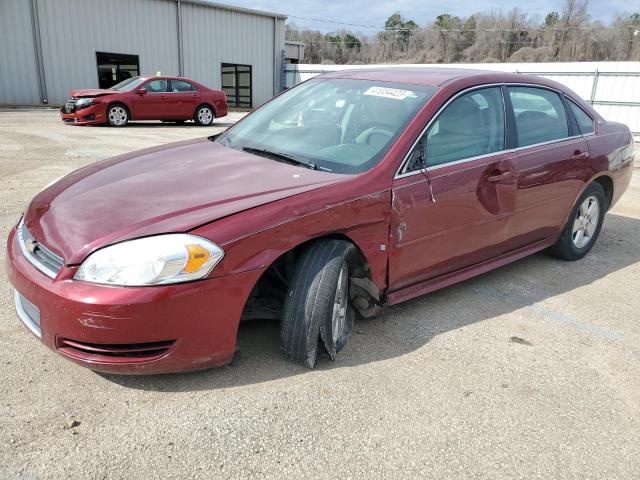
(455, 212)
(154, 104)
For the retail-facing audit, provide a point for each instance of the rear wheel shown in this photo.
(317, 306)
(584, 224)
(117, 115)
(204, 116)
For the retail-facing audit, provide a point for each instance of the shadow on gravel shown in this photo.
(189, 124)
(404, 328)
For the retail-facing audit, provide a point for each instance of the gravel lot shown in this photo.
(531, 371)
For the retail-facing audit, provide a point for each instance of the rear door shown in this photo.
(551, 163)
(183, 97)
(155, 104)
(454, 213)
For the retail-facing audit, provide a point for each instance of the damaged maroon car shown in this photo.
(170, 99)
(352, 191)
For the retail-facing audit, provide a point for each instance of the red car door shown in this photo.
(183, 97)
(455, 212)
(154, 103)
(551, 163)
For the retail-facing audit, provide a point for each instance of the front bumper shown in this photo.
(131, 330)
(92, 115)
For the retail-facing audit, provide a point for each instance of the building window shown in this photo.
(236, 83)
(115, 67)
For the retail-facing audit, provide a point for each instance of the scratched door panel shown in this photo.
(467, 223)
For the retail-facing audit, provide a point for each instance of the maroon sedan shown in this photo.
(171, 99)
(352, 191)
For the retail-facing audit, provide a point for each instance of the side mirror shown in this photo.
(141, 91)
(418, 159)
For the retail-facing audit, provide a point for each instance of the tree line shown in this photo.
(567, 36)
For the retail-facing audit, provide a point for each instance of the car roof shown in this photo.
(430, 76)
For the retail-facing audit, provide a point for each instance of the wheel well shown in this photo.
(607, 185)
(266, 299)
(213, 109)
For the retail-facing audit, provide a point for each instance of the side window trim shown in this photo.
(569, 101)
(511, 134)
(401, 171)
(574, 128)
(570, 133)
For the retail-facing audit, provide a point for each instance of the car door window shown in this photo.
(540, 115)
(180, 86)
(470, 126)
(585, 122)
(158, 85)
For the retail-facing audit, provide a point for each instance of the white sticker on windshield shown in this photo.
(395, 93)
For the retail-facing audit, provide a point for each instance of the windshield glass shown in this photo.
(335, 125)
(128, 84)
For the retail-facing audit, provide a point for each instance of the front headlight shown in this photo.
(83, 102)
(155, 260)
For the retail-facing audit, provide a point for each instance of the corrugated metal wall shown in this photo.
(212, 37)
(72, 31)
(18, 71)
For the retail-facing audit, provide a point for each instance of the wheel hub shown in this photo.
(586, 222)
(340, 302)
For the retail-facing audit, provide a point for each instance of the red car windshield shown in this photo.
(334, 125)
(128, 84)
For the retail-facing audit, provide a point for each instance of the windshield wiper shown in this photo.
(279, 156)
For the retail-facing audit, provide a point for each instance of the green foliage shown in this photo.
(351, 41)
(551, 19)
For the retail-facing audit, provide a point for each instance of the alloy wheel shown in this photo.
(118, 116)
(340, 302)
(205, 116)
(586, 222)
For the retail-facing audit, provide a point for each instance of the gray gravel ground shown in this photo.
(531, 371)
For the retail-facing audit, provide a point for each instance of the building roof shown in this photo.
(232, 8)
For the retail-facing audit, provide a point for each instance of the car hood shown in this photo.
(92, 92)
(173, 188)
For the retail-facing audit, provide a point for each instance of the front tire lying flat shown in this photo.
(317, 305)
(583, 226)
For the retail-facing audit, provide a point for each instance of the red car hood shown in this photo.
(172, 188)
(92, 92)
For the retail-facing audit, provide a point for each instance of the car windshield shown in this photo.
(128, 84)
(334, 125)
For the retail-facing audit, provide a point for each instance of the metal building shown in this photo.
(48, 47)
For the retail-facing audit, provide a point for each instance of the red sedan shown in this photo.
(349, 192)
(171, 99)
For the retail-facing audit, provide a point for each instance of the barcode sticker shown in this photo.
(395, 93)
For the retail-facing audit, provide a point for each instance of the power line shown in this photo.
(528, 29)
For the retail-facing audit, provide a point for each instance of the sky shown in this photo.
(368, 12)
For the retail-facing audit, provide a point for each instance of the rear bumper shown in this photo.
(92, 115)
(131, 330)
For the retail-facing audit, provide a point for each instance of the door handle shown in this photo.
(499, 176)
(578, 155)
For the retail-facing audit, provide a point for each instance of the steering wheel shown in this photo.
(366, 136)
